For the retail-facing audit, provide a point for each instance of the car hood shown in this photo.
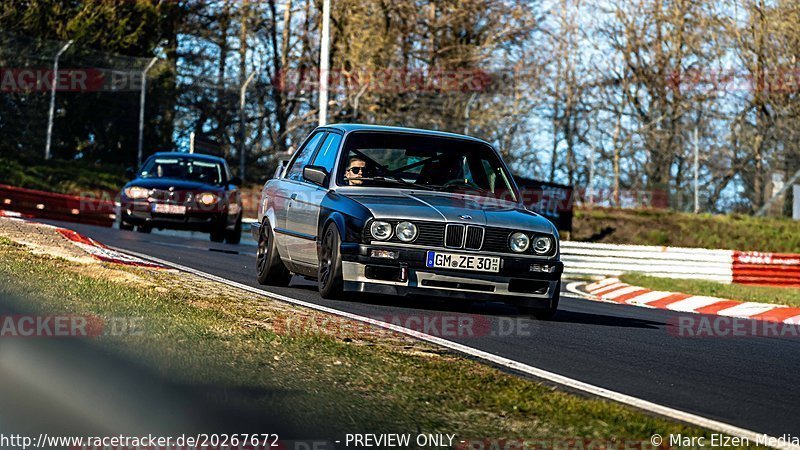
(177, 185)
(448, 207)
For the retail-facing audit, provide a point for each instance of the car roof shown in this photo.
(353, 127)
(199, 156)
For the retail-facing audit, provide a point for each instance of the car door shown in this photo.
(304, 211)
(285, 236)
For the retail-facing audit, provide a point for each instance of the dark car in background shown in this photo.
(184, 191)
(398, 211)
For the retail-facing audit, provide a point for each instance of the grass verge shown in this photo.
(761, 294)
(199, 332)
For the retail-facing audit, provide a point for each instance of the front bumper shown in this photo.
(519, 278)
(140, 213)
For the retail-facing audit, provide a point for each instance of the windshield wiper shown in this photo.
(399, 181)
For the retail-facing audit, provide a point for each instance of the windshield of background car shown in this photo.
(424, 162)
(208, 172)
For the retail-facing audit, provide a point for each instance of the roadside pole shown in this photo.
(53, 100)
(142, 95)
(242, 127)
(696, 172)
(324, 62)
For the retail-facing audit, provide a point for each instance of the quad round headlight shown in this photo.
(137, 192)
(381, 230)
(207, 198)
(406, 231)
(542, 245)
(519, 242)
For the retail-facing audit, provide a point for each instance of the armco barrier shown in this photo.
(772, 269)
(584, 258)
(47, 205)
(725, 266)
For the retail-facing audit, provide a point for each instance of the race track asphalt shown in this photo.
(749, 382)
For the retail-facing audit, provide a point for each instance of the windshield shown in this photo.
(424, 162)
(208, 172)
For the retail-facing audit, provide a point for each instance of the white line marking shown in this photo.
(747, 309)
(598, 391)
(610, 288)
(644, 299)
(620, 292)
(604, 282)
(693, 303)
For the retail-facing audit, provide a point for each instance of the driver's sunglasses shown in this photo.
(356, 170)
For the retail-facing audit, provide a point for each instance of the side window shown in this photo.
(326, 157)
(295, 171)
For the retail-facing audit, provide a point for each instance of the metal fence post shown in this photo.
(141, 110)
(242, 128)
(53, 100)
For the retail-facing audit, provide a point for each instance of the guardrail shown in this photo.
(774, 269)
(48, 205)
(724, 266)
(584, 258)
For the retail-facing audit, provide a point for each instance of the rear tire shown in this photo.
(269, 267)
(544, 313)
(329, 274)
(235, 236)
(125, 226)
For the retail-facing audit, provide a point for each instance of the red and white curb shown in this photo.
(103, 253)
(95, 249)
(614, 291)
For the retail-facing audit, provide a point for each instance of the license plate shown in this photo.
(463, 262)
(161, 208)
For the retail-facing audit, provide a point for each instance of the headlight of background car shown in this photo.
(406, 231)
(542, 245)
(519, 242)
(381, 230)
(137, 192)
(207, 198)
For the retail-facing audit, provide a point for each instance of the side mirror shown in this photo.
(316, 174)
(236, 181)
(281, 168)
(130, 173)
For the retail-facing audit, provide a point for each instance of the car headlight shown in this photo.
(519, 242)
(207, 198)
(542, 245)
(406, 231)
(381, 230)
(137, 192)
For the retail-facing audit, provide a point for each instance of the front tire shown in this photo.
(269, 267)
(218, 233)
(329, 274)
(144, 229)
(544, 313)
(235, 236)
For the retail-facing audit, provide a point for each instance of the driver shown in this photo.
(355, 170)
